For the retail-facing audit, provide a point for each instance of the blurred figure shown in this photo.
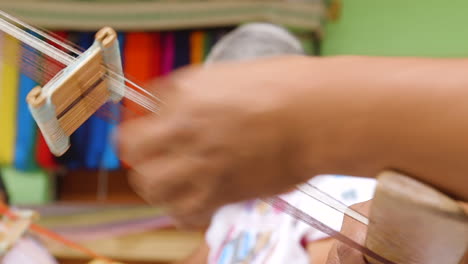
(253, 41)
(253, 232)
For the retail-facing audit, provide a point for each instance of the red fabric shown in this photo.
(44, 157)
(142, 64)
(156, 70)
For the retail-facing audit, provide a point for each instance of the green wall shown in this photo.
(436, 28)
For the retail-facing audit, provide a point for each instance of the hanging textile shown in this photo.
(96, 127)
(182, 49)
(8, 98)
(208, 43)
(110, 160)
(25, 126)
(197, 44)
(156, 54)
(168, 53)
(44, 157)
(138, 62)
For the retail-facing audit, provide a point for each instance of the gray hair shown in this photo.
(255, 40)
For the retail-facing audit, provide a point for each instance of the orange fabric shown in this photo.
(197, 47)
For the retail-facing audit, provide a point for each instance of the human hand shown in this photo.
(225, 134)
(340, 253)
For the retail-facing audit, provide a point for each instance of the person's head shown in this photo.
(255, 40)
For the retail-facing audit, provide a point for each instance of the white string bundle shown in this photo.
(8, 24)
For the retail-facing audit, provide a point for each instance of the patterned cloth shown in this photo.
(254, 233)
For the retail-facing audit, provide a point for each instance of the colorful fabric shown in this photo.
(8, 98)
(110, 159)
(138, 45)
(97, 128)
(75, 157)
(138, 64)
(156, 54)
(182, 49)
(44, 157)
(197, 47)
(168, 53)
(208, 43)
(26, 127)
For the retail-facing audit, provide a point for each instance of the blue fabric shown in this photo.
(110, 159)
(96, 128)
(25, 125)
(76, 157)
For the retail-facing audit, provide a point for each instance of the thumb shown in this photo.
(341, 253)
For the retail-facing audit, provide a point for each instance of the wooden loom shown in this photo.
(77, 92)
(401, 208)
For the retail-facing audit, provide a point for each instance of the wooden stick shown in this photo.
(412, 223)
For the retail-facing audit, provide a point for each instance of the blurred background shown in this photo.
(84, 195)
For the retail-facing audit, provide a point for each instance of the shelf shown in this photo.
(166, 14)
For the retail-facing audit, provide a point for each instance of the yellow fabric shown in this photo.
(9, 75)
(197, 47)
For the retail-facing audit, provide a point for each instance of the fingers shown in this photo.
(343, 254)
(166, 179)
(354, 229)
(135, 139)
(151, 137)
(194, 222)
(167, 84)
(176, 183)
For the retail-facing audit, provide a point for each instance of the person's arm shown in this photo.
(199, 256)
(363, 115)
(318, 250)
(236, 131)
